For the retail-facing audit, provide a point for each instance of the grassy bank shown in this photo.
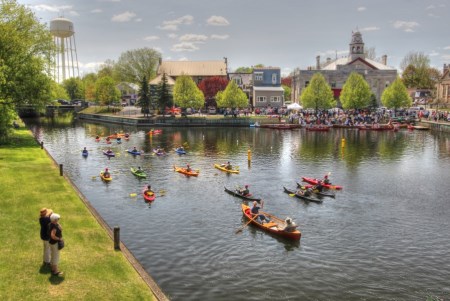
(92, 269)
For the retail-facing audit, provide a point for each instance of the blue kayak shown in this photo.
(133, 152)
(180, 151)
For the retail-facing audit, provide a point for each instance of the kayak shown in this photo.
(301, 196)
(133, 152)
(315, 191)
(97, 140)
(139, 174)
(314, 182)
(154, 132)
(222, 168)
(247, 197)
(148, 198)
(163, 153)
(84, 154)
(116, 136)
(180, 151)
(184, 171)
(105, 179)
(274, 226)
(318, 128)
(109, 154)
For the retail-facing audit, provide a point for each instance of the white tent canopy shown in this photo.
(294, 106)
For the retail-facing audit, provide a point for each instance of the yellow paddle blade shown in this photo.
(133, 195)
(291, 194)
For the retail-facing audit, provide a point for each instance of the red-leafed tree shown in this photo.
(287, 81)
(210, 87)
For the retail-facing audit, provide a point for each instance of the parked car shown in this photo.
(63, 102)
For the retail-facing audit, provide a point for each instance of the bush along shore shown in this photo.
(93, 270)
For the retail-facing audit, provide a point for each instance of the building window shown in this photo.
(306, 83)
(275, 99)
(260, 98)
(274, 78)
(387, 84)
(258, 76)
(238, 80)
(333, 85)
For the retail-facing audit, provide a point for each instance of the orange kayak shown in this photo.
(184, 171)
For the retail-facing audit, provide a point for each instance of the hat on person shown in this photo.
(54, 217)
(288, 220)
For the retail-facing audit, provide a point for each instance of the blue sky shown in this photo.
(284, 33)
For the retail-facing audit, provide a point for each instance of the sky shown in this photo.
(284, 33)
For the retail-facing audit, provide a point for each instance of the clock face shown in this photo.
(358, 39)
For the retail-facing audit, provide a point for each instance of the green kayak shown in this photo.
(138, 173)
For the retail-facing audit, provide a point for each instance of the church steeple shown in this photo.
(356, 47)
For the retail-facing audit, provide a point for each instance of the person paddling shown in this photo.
(255, 211)
(244, 191)
(148, 191)
(106, 173)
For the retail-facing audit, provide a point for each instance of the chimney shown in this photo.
(384, 59)
(318, 62)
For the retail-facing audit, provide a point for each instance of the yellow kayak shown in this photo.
(105, 179)
(222, 168)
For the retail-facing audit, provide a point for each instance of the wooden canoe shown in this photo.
(301, 196)
(275, 226)
(222, 168)
(244, 197)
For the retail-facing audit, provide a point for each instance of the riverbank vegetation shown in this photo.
(92, 269)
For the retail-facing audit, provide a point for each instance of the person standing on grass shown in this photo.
(44, 221)
(55, 231)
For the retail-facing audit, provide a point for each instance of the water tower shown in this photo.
(66, 59)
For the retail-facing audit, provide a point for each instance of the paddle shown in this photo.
(242, 228)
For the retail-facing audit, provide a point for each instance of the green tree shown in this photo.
(144, 97)
(106, 92)
(133, 65)
(89, 86)
(287, 92)
(396, 96)
(186, 94)
(74, 87)
(244, 70)
(25, 53)
(164, 93)
(108, 69)
(318, 94)
(57, 91)
(355, 93)
(232, 97)
(417, 72)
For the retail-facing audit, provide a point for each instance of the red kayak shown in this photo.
(148, 198)
(314, 182)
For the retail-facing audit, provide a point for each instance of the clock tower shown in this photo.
(356, 47)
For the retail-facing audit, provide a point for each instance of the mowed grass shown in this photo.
(93, 270)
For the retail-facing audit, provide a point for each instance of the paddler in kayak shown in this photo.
(85, 151)
(244, 191)
(148, 191)
(106, 173)
(188, 168)
(227, 165)
(326, 180)
(318, 186)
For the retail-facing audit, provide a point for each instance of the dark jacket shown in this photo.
(44, 221)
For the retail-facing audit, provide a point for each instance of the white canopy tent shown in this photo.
(294, 106)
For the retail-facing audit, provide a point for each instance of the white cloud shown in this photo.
(219, 37)
(361, 8)
(172, 35)
(407, 26)
(183, 59)
(333, 53)
(193, 38)
(433, 15)
(51, 8)
(447, 48)
(151, 38)
(185, 46)
(286, 71)
(217, 21)
(370, 28)
(430, 7)
(123, 17)
(433, 53)
(173, 24)
(96, 11)
(446, 57)
(74, 13)
(138, 20)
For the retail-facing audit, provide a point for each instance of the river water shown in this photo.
(384, 237)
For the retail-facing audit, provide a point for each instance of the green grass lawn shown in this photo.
(93, 270)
